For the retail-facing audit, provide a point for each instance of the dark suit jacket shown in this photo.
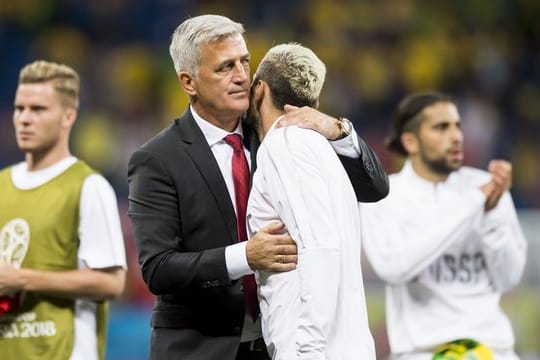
(182, 219)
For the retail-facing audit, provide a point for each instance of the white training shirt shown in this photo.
(101, 244)
(316, 311)
(235, 255)
(445, 260)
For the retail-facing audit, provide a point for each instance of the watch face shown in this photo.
(345, 128)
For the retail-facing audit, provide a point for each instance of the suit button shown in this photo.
(237, 330)
(368, 166)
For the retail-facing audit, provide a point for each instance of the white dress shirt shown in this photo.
(445, 260)
(101, 244)
(318, 310)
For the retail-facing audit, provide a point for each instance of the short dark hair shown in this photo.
(407, 117)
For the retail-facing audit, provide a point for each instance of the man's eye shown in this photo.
(225, 68)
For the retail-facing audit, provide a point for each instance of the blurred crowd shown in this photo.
(486, 53)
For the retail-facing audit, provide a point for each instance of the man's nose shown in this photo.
(241, 72)
(23, 116)
(457, 134)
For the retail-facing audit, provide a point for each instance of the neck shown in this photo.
(42, 159)
(268, 115)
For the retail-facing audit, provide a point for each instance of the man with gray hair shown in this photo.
(316, 311)
(188, 190)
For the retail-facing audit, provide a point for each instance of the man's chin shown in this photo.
(455, 164)
(442, 167)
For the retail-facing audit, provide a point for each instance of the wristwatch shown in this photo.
(345, 128)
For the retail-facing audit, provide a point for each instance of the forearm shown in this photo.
(92, 284)
(402, 238)
(505, 262)
(171, 272)
(504, 245)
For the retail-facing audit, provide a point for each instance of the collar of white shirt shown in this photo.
(25, 180)
(418, 181)
(212, 133)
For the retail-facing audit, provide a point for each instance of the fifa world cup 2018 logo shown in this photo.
(14, 241)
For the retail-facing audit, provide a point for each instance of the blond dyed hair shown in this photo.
(185, 48)
(294, 74)
(66, 81)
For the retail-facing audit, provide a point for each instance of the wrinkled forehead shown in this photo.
(227, 48)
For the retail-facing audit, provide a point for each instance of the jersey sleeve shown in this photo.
(505, 247)
(100, 233)
(402, 238)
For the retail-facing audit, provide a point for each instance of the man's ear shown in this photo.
(258, 92)
(187, 82)
(69, 117)
(410, 142)
(259, 88)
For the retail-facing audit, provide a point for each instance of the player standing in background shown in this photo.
(61, 246)
(446, 240)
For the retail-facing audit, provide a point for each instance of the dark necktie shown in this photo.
(240, 172)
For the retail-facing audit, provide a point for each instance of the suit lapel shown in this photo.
(198, 150)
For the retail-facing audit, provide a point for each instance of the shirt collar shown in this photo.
(409, 171)
(212, 133)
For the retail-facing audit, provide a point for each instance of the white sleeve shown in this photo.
(401, 238)
(348, 146)
(100, 233)
(300, 194)
(505, 247)
(236, 260)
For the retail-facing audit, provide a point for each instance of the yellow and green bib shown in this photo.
(48, 218)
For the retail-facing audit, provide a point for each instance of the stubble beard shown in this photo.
(253, 117)
(441, 166)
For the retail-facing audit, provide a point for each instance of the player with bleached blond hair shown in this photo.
(318, 310)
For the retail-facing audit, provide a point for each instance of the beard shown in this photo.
(253, 117)
(441, 165)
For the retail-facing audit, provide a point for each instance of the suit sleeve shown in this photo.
(155, 219)
(366, 173)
